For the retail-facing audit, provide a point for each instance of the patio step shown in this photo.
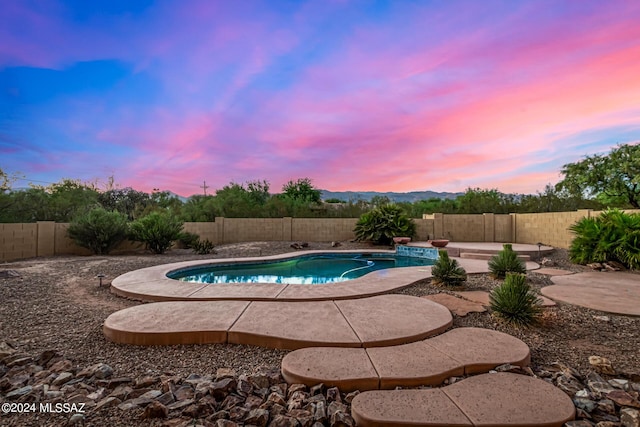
(460, 351)
(367, 322)
(488, 256)
(499, 399)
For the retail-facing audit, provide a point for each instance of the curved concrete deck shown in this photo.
(369, 322)
(458, 352)
(611, 292)
(484, 400)
(152, 283)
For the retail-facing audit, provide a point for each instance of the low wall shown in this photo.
(19, 241)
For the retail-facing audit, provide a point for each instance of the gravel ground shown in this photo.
(56, 304)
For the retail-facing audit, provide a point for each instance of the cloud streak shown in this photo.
(394, 96)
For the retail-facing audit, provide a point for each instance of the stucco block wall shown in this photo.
(424, 229)
(18, 241)
(550, 228)
(251, 229)
(206, 230)
(502, 229)
(322, 229)
(463, 228)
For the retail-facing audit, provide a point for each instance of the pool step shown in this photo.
(368, 322)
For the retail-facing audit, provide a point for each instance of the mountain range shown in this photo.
(412, 196)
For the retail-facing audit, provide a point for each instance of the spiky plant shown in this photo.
(506, 261)
(382, 224)
(447, 271)
(515, 302)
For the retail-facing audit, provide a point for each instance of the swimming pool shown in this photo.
(304, 270)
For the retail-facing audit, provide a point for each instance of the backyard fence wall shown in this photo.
(19, 241)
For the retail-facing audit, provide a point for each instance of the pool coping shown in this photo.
(152, 283)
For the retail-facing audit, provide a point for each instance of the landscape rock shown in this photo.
(623, 398)
(155, 410)
(602, 365)
(630, 417)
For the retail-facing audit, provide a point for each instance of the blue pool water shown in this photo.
(306, 270)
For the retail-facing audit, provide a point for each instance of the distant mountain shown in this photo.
(412, 196)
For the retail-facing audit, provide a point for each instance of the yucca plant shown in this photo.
(506, 261)
(382, 224)
(515, 302)
(447, 271)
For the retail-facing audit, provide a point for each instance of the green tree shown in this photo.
(99, 230)
(157, 231)
(301, 190)
(199, 209)
(125, 200)
(617, 175)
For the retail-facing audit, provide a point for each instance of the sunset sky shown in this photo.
(391, 95)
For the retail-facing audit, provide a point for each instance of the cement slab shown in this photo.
(292, 325)
(611, 292)
(429, 362)
(405, 317)
(498, 400)
(352, 370)
(458, 306)
(170, 323)
(552, 272)
(505, 399)
(406, 408)
(364, 322)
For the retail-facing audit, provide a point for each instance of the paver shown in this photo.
(499, 399)
(280, 324)
(456, 352)
(611, 292)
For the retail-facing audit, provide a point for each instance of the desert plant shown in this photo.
(157, 231)
(447, 271)
(382, 224)
(506, 261)
(515, 302)
(99, 230)
(187, 239)
(203, 247)
(611, 236)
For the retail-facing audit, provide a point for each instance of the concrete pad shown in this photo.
(347, 368)
(480, 350)
(406, 408)
(552, 272)
(611, 292)
(482, 297)
(258, 291)
(458, 306)
(394, 319)
(292, 325)
(170, 323)
(412, 365)
(504, 399)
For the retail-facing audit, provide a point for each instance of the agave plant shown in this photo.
(515, 302)
(447, 271)
(506, 261)
(382, 224)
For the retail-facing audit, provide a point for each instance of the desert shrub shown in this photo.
(506, 261)
(99, 230)
(611, 236)
(157, 231)
(382, 224)
(515, 302)
(203, 247)
(447, 271)
(187, 239)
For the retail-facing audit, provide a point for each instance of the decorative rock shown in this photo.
(606, 406)
(598, 385)
(623, 398)
(568, 383)
(155, 410)
(602, 365)
(220, 389)
(283, 421)
(258, 417)
(584, 403)
(76, 419)
(166, 398)
(61, 366)
(579, 423)
(62, 378)
(225, 373)
(630, 417)
(184, 392)
(108, 402)
(226, 423)
(602, 318)
(145, 382)
(15, 394)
